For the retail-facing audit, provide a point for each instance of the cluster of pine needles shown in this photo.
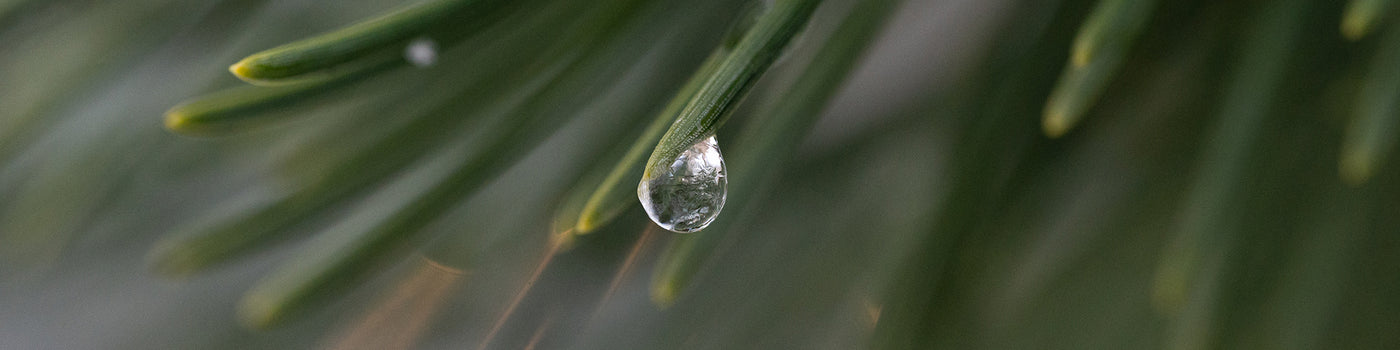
(1070, 173)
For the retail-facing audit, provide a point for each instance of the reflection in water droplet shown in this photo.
(687, 195)
(421, 52)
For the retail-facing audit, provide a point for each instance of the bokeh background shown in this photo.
(924, 208)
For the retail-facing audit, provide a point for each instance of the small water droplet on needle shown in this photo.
(687, 195)
(421, 52)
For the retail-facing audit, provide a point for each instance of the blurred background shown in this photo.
(907, 174)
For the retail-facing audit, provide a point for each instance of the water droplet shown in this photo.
(421, 52)
(689, 193)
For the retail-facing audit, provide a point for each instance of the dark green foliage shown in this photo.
(902, 175)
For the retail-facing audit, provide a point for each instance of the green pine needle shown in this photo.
(1362, 16)
(771, 139)
(715, 100)
(927, 208)
(1187, 280)
(1100, 49)
(366, 45)
(1370, 136)
(245, 108)
(615, 193)
(397, 214)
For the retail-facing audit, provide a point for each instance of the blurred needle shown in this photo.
(510, 309)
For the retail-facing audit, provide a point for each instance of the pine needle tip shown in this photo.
(172, 261)
(1080, 57)
(177, 120)
(1354, 28)
(242, 70)
(663, 295)
(181, 121)
(586, 224)
(258, 312)
(1355, 168)
(1055, 125)
(247, 70)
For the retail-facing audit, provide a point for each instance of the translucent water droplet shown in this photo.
(421, 52)
(689, 193)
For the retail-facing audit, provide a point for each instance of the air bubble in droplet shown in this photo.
(688, 194)
(421, 52)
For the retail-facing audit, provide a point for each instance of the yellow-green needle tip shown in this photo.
(172, 260)
(1361, 17)
(663, 295)
(1354, 28)
(243, 70)
(1055, 124)
(176, 121)
(1081, 54)
(184, 121)
(585, 225)
(181, 121)
(1355, 167)
(258, 311)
